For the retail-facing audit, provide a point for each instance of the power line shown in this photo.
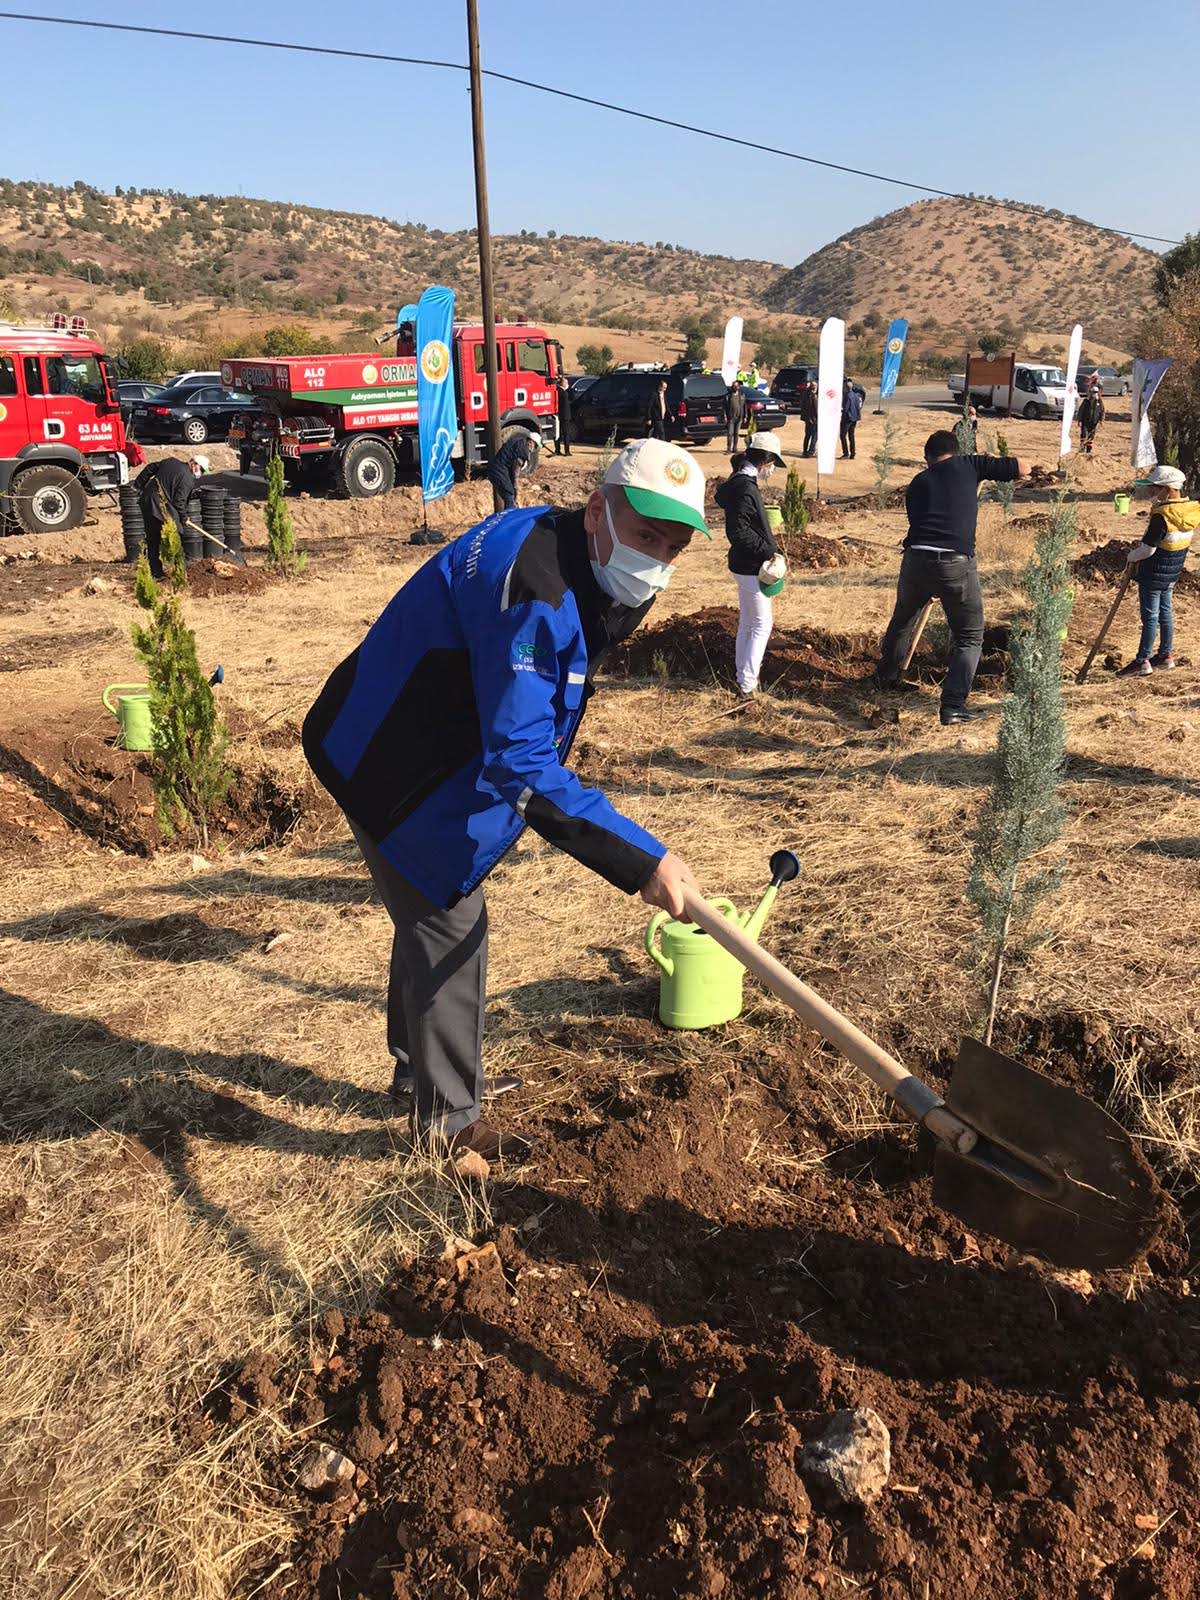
(539, 88)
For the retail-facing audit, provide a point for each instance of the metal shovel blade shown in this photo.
(1052, 1173)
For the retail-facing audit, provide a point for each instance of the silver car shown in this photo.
(1111, 381)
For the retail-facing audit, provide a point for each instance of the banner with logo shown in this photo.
(1074, 351)
(437, 417)
(893, 355)
(731, 354)
(1147, 375)
(831, 364)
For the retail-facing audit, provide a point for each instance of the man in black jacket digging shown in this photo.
(939, 564)
(164, 491)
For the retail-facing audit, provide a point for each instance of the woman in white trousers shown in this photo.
(751, 545)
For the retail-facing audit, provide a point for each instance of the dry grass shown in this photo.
(195, 1123)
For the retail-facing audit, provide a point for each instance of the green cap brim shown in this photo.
(664, 508)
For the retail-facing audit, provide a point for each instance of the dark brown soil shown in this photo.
(25, 584)
(606, 1398)
(1106, 564)
(48, 649)
(207, 579)
(812, 550)
(799, 661)
(57, 787)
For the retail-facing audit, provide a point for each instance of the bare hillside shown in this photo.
(962, 265)
(236, 252)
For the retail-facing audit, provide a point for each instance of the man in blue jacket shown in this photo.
(852, 404)
(446, 732)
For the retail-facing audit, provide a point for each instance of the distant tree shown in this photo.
(695, 346)
(146, 358)
(289, 339)
(773, 348)
(595, 358)
(989, 343)
(1176, 264)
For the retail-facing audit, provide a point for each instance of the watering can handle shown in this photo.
(659, 917)
(915, 1098)
(112, 689)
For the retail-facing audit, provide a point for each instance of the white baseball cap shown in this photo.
(202, 463)
(661, 481)
(768, 442)
(1167, 478)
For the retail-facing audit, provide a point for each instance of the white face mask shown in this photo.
(628, 575)
(764, 472)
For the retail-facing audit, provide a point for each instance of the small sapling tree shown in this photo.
(794, 505)
(885, 459)
(282, 554)
(1022, 814)
(1004, 491)
(188, 769)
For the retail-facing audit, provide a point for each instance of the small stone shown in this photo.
(98, 585)
(1147, 1521)
(852, 1458)
(893, 1236)
(322, 1467)
(472, 1165)
(474, 1523)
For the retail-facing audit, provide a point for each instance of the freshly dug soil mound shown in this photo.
(1106, 564)
(811, 550)
(608, 1397)
(209, 578)
(54, 787)
(699, 646)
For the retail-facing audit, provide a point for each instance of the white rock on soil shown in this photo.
(323, 1467)
(852, 1458)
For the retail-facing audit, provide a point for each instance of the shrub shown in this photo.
(188, 767)
(146, 358)
(282, 554)
(289, 339)
(595, 358)
(885, 458)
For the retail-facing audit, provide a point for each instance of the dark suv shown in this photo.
(787, 385)
(620, 401)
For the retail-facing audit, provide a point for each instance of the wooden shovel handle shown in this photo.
(922, 619)
(915, 1098)
(1105, 625)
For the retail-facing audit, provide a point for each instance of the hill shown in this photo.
(956, 266)
(231, 252)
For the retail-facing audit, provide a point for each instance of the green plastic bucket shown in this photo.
(774, 518)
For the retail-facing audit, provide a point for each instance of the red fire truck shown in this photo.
(61, 434)
(349, 423)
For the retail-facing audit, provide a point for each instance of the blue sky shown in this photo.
(1059, 87)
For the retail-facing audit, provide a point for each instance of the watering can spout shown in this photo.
(785, 866)
(753, 923)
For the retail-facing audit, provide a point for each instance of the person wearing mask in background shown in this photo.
(751, 546)
(808, 415)
(562, 441)
(165, 491)
(1157, 561)
(514, 456)
(656, 412)
(1091, 415)
(735, 417)
(851, 413)
(444, 735)
(939, 564)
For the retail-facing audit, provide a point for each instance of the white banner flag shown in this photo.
(1147, 375)
(830, 370)
(731, 355)
(1074, 350)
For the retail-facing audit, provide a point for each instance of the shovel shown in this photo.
(1081, 675)
(922, 619)
(1016, 1156)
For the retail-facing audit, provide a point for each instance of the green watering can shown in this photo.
(1121, 504)
(132, 712)
(701, 984)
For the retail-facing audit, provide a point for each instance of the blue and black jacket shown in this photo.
(1169, 531)
(445, 732)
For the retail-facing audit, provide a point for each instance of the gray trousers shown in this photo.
(436, 990)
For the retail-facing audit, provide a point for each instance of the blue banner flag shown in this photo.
(437, 419)
(893, 354)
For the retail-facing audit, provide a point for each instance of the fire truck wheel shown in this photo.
(367, 468)
(47, 500)
(195, 430)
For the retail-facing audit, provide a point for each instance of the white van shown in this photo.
(1041, 391)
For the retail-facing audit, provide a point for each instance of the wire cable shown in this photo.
(541, 88)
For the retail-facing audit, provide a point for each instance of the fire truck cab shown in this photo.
(61, 433)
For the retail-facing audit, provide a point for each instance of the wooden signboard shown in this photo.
(990, 372)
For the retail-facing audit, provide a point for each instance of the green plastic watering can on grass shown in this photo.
(701, 984)
(132, 711)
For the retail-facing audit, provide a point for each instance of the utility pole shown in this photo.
(484, 234)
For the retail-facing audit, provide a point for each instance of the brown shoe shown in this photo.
(490, 1143)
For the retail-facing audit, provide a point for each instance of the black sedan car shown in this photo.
(193, 415)
(768, 413)
(130, 391)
